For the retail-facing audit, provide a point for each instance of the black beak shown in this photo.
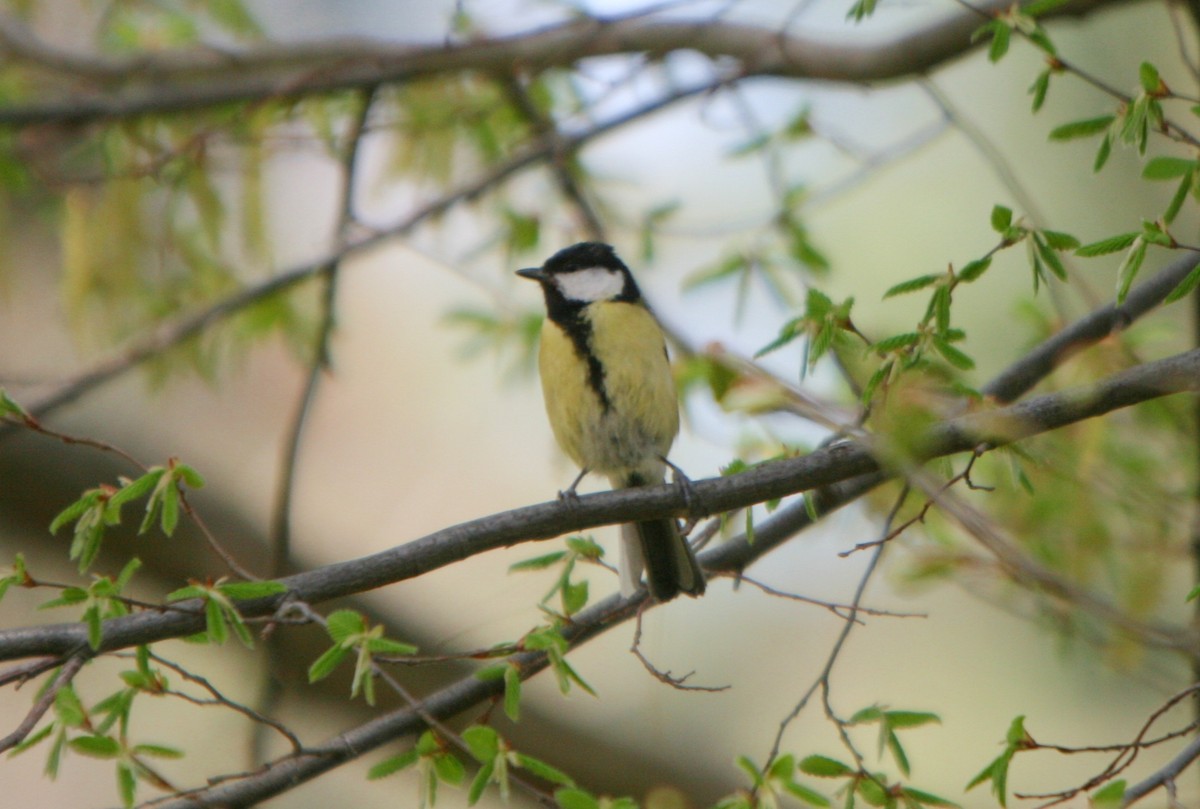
(533, 274)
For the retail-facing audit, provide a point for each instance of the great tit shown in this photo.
(611, 400)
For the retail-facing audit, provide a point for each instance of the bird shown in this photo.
(611, 402)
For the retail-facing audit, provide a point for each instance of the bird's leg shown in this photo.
(569, 497)
(684, 484)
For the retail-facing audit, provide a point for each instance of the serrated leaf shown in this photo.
(927, 798)
(480, 782)
(96, 746)
(324, 665)
(1085, 128)
(537, 562)
(809, 796)
(1001, 218)
(1149, 78)
(483, 742)
(1001, 37)
(913, 284)
(343, 624)
(1185, 286)
(544, 771)
(872, 713)
(387, 646)
(912, 719)
(1039, 88)
(244, 590)
(1111, 795)
(68, 708)
(825, 767)
(449, 769)
(512, 692)
(1102, 153)
(1059, 240)
(1129, 269)
(571, 798)
(393, 764)
(974, 269)
(1167, 168)
(897, 341)
(1113, 244)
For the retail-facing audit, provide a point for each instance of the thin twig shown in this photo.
(67, 673)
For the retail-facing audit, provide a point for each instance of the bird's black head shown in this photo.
(581, 274)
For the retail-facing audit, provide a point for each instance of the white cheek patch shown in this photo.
(590, 284)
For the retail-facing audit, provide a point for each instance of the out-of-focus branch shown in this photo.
(178, 331)
(189, 81)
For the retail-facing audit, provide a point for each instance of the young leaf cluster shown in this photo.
(351, 634)
(103, 731)
(573, 595)
(220, 608)
(101, 599)
(435, 762)
(100, 508)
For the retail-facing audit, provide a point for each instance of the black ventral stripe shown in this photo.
(570, 317)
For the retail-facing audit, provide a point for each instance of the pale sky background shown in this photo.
(408, 437)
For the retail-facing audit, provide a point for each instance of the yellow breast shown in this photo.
(642, 416)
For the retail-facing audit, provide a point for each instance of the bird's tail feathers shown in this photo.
(658, 547)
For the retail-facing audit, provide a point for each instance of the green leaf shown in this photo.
(1148, 76)
(1180, 196)
(1185, 286)
(572, 798)
(1110, 796)
(544, 771)
(538, 562)
(1102, 153)
(1167, 168)
(1050, 258)
(68, 708)
(479, 784)
(825, 767)
(96, 746)
(927, 798)
(157, 751)
(9, 407)
(1085, 128)
(344, 624)
(1039, 7)
(136, 488)
(809, 796)
(1039, 89)
(896, 342)
(975, 268)
(483, 742)
(1001, 218)
(244, 590)
(1059, 240)
(913, 284)
(387, 646)
(324, 665)
(393, 764)
(126, 783)
(867, 715)
(1113, 244)
(911, 719)
(1001, 37)
(449, 768)
(512, 692)
(1129, 269)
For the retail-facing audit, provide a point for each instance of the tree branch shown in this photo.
(190, 81)
(768, 481)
